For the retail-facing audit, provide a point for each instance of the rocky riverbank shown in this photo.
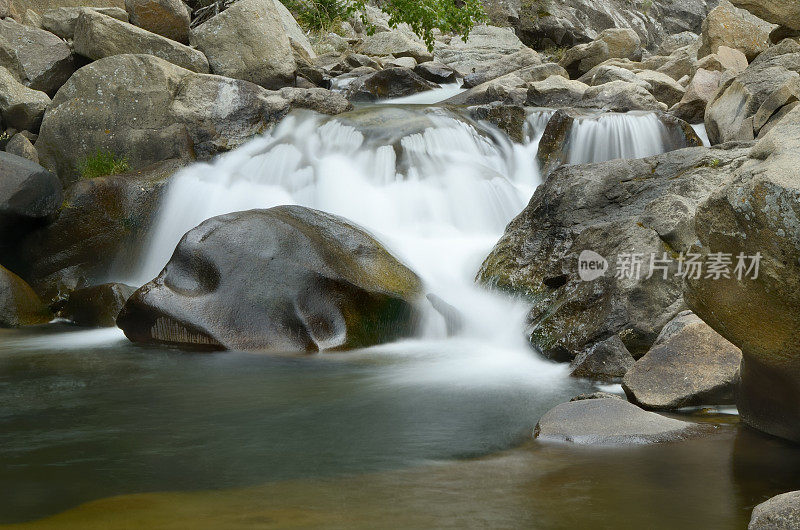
(676, 275)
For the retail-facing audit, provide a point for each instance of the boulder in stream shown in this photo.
(95, 306)
(610, 422)
(755, 221)
(287, 279)
(19, 305)
(690, 364)
(624, 211)
(781, 512)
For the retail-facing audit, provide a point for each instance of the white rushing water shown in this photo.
(611, 136)
(439, 198)
(439, 201)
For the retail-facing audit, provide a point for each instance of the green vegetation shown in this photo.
(424, 16)
(537, 8)
(102, 164)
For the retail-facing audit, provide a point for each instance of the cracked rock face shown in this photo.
(287, 279)
(615, 208)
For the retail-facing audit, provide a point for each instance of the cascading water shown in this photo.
(436, 188)
(439, 196)
(611, 136)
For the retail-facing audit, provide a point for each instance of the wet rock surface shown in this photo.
(287, 279)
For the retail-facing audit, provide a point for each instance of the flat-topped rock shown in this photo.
(610, 422)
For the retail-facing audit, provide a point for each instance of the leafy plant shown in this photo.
(322, 15)
(423, 16)
(102, 164)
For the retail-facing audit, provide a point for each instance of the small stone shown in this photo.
(605, 361)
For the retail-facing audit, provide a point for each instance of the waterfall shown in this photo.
(611, 136)
(436, 188)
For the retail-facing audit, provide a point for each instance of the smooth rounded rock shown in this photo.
(609, 422)
(287, 279)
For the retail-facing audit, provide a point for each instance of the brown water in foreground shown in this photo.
(704, 483)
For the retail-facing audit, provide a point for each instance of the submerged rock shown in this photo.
(287, 279)
(781, 512)
(689, 365)
(610, 422)
(96, 306)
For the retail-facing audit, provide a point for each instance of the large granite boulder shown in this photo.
(301, 46)
(511, 88)
(608, 360)
(98, 35)
(545, 24)
(248, 41)
(556, 92)
(397, 43)
(38, 59)
(29, 197)
(610, 422)
(486, 48)
(21, 107)
(735, 28)
(287, 279)
(168, 18)
(98, 233)
(19, 305)
(731, 114)
(20, 145)
(691, 366)
(387, 84)
(109, 105)
(619, 96)
(525, 57)
(702, 89)
(61, 21)
(623, 212)
(781, 512)
(782, 12)
(754, 221)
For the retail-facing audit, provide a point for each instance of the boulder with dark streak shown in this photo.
(389, 83)
(287, 279)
